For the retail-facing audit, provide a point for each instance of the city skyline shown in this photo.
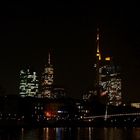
(28, 33)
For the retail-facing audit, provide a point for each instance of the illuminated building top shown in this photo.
(47, 78)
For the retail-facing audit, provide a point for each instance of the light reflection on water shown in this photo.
(63, 133)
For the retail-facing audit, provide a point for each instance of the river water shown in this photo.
(79, 133)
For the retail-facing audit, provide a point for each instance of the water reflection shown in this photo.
(136, 133)
(8, 134)
(63, 133)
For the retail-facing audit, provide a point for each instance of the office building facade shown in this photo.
(28, 83)
(108, 78)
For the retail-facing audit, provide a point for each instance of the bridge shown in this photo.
(120, 119)
(112, 115)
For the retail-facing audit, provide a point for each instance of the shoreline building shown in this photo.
(28, 83)
(47, 80)
(108, 79)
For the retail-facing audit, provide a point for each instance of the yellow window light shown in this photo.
(107, 58)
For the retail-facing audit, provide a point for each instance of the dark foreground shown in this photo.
(100, 122)
(68, 133)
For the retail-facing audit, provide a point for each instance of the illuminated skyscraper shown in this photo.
(110, 83)
(47, 80)
(28, 83)
(108, 80)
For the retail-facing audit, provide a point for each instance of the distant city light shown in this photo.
(107, 58)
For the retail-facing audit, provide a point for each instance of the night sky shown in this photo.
(28, 30)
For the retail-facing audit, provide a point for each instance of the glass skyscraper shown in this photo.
(108, 79)
(110, 83)
(28, 83)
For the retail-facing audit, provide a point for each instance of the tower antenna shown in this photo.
(49, 58)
